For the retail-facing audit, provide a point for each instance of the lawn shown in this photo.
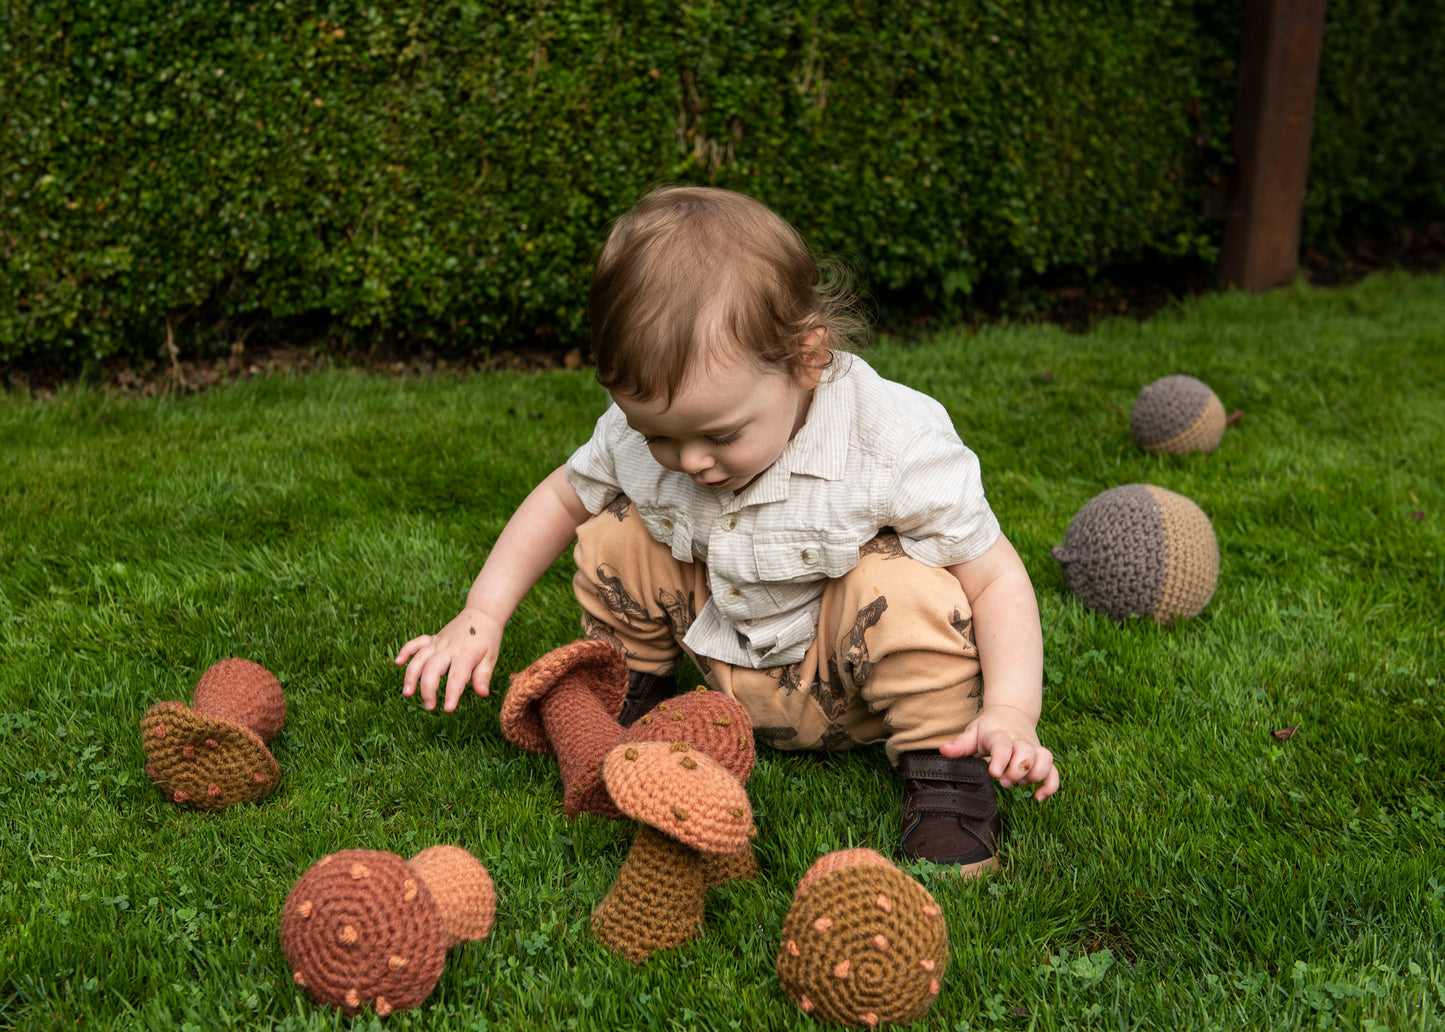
(1200, 867)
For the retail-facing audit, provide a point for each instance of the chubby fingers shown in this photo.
(410, 649)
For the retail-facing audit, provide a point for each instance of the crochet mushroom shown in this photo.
(1177, 415)
(567, 703)
(1139, 550)
(214, 752)
(696, 825)
(863, 943)
(364, 927)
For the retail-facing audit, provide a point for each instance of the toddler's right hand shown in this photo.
(464, 650)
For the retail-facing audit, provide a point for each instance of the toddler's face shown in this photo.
(728, 423)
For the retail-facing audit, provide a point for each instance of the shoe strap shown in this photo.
(944, 802)
(926, 766)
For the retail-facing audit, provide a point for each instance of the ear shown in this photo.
(816, 356)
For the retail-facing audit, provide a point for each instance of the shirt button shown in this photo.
(729, 522)
(667, 525)
(733, 594)
(810, 556)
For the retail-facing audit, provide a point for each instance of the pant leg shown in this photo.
(633, 592)
(894, 661)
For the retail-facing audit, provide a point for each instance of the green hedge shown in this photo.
(442, 173)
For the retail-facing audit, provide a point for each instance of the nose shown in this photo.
(693, 458)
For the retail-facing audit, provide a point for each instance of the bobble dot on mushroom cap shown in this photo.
(381, 1007)
(188, 751)
(842, 968)
(869, 1018)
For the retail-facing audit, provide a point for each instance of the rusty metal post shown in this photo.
(1273, 119)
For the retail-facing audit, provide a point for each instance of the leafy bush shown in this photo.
(188, 172)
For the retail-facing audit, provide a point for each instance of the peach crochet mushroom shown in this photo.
(696, 826)
(214, 752)
(863, 943)
(364, 927)
(566, 703)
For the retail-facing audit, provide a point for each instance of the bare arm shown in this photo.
(466, 648)
(1011, 655)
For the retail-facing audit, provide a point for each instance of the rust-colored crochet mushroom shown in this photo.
(566, 703)
(696, 826)
(863, 943)
(214, 752)
(365, 928)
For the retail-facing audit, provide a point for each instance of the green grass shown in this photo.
(1194, 871)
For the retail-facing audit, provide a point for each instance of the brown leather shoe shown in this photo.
(950, 811)
(644, 691)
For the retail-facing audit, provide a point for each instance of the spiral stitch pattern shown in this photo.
(361, 928)
(863, 944)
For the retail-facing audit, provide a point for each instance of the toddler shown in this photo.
(813, 536)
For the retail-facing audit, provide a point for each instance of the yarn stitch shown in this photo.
(863, 944)
(214, 753)
(364, 928)
(1177, 415)
(1140, 550)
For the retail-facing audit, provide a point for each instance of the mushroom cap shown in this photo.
(597, 665)
(864, 945)
(242, 692)
(462, 889)
(681, 792)
(203, 761)
(1140, 550)
(708, 721)
(836, 861)
(360, 928)
(1177, 415)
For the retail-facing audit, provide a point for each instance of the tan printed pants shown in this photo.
(894, 660)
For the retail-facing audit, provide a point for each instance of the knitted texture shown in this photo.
(708, 721)
(361, 928)
(213, 754)
(864, 945)
(239, 691)
(1139, 550)
(598, 667)
(463, 891)
(1177, 415)
(836, 861)
(656, 903)
(681, 792)
(567, 703)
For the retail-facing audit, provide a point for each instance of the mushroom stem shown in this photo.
(582, 733)
(656, 902)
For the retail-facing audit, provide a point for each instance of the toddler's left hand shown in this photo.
(1015, 757)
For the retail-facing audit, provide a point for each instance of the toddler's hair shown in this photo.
(692, 268)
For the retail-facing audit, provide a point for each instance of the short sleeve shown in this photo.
(591, 469)
(937, 504)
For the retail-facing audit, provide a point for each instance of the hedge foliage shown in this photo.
(194, 170)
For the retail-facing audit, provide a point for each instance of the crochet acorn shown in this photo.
(214, 752)
(364, 927)
(863, 943)
(1178, 415)
(696, 826)
(1139, 550)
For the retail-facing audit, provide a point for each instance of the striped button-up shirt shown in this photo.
(872, 454)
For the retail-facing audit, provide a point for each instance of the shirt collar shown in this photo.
(820, 447)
